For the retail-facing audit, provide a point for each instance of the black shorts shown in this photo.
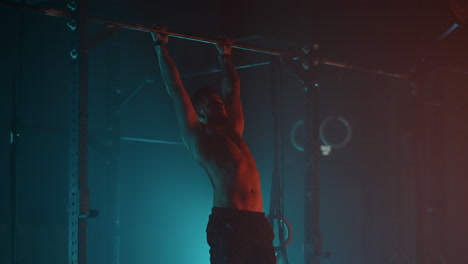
(240, 237)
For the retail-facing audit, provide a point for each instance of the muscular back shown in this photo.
(227, 160)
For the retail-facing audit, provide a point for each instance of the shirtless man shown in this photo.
(237, 230)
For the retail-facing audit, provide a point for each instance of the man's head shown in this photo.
(208, 105)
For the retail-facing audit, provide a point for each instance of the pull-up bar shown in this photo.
(188, 37)
(142, 28)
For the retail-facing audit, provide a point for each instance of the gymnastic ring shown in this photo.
(327, 121)
(293, 135)
(288, 225)
(460, 9)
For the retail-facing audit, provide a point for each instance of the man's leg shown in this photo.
(227, 244)
(263, 252)
(228, 252)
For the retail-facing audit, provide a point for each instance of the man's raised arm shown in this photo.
(186, 115)
(231, 88)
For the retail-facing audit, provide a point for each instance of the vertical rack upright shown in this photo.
(78, 201)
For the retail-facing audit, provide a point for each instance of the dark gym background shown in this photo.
(371, 206)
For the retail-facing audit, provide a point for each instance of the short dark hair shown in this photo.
(200, 94)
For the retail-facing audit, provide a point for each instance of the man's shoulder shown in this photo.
(195, 137)
(204, 137)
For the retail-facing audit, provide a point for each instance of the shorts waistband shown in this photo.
(234, 212)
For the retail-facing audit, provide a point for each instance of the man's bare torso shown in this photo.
(228, 162)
